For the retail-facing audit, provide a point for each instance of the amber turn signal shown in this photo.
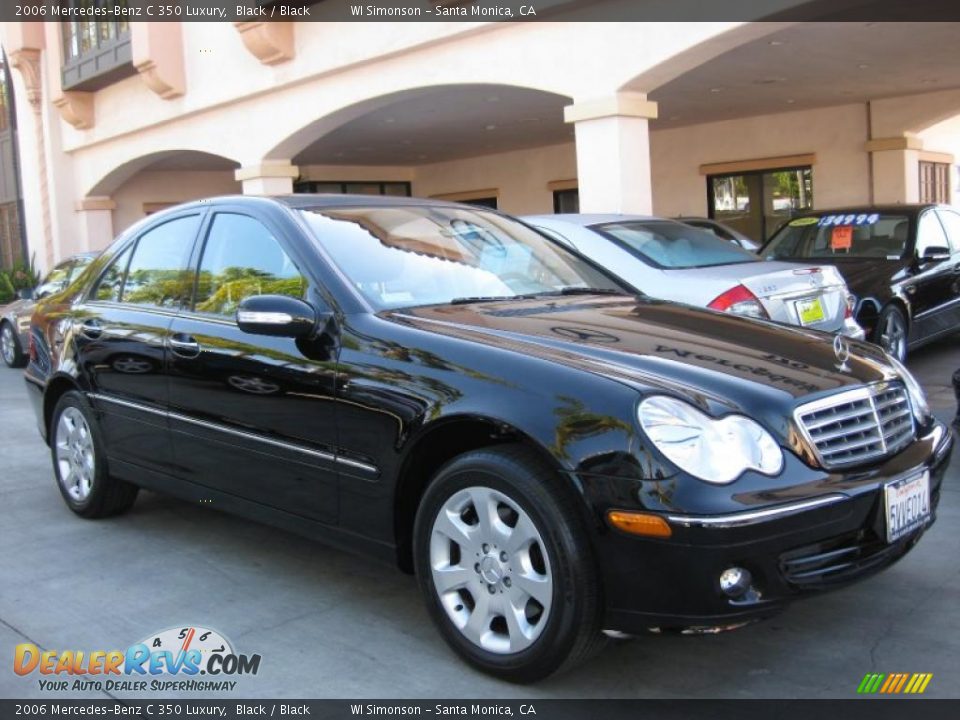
(639, 523)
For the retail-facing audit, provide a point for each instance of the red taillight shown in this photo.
(739, 301)
(851, 304)
(731, 297)
(32, 348)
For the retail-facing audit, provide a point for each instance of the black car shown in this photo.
(901, 261)
(442, 387)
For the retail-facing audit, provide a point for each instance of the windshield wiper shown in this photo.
(488, 298)
(574, 290)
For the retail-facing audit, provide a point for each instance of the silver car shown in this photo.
(724, 232)
(15, 317)
(673, 261)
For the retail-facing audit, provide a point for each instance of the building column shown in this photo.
(271, 177)
(25, 46)
(895, 169)
(95, 221)
(613, 153)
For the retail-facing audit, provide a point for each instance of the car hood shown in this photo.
(17, 308)
(711, 357)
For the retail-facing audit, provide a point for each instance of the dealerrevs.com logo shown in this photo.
(171, 660)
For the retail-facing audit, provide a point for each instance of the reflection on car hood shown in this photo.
(17, 308)
(659, 344)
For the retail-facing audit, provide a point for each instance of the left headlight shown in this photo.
(716, 451)
(918, 399)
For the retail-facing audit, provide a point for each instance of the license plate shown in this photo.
(907, 505)
(810, 311)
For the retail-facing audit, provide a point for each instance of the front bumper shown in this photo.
(807, 545)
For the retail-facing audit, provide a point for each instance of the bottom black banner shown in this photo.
(875, 709)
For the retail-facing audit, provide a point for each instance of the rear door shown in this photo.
(121, 333)
(252, 415)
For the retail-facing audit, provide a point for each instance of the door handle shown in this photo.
(91, 329)
(184, 345)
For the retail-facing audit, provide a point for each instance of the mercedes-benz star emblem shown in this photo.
(841, 348)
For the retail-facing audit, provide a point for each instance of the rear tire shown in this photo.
(80, 463)
(891, 332)
(520, 591)
(10, 349)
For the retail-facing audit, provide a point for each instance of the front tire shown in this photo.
(503, 561)
(891, 332)
(80, 463)
(10, 349)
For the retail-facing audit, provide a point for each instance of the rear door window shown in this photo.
(158, 273)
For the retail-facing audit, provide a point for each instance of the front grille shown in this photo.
(860, 425)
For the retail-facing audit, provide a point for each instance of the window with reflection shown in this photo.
(242, 258)
(158, 273)
(111, 282)
(422, 255)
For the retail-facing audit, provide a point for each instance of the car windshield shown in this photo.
(403, 256)
(672, 245)
(832, 235)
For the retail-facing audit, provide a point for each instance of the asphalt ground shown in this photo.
(331, 625)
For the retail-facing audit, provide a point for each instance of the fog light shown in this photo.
(735, 581)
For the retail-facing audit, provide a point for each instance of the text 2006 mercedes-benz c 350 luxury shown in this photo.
(553, 454)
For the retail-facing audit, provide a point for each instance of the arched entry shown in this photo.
(828, 102)
(469, 142)
(142, 185)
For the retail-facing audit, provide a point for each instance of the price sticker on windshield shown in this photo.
(841, 237)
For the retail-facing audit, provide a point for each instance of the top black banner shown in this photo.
(479, 10)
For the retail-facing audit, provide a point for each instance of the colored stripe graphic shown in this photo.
(894, 683)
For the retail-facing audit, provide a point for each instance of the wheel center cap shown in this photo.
(491, 570)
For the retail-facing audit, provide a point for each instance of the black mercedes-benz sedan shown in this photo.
(553, 455)
(901, 261)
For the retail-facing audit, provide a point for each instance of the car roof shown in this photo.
(314, 200)
(887, 208)
(586, 219)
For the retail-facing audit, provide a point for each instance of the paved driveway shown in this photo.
(331, 625)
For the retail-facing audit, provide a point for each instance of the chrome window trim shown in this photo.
(752, 517)
(319, 454)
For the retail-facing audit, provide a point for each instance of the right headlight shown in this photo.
(716, 451)
(918, 399)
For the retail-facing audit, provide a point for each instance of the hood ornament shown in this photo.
(841, 348)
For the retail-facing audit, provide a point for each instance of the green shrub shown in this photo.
(24, 276)
(7, 293)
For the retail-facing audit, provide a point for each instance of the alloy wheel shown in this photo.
(893, 337)
(7, 345)
(490, 570)
(76, 458)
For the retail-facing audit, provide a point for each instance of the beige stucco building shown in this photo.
(746, 121)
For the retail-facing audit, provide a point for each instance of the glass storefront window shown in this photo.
(372, 187)
(757, 203)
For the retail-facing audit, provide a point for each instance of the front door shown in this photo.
(931, 289)
(120, 338)
(252, 415)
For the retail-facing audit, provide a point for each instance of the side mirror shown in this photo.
(27, 294)
(277, 315)
(935, 253)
